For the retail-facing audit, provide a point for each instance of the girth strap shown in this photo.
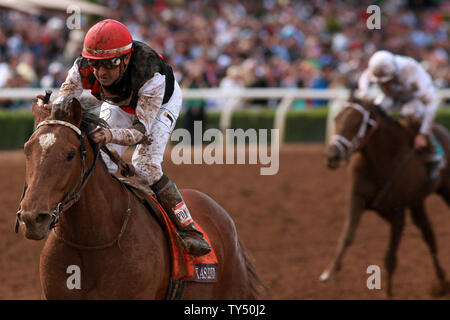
(175, 290)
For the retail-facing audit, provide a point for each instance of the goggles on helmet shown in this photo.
(107, 63)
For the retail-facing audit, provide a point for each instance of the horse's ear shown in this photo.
(352, 95)
(76, 112)
(67, 110)
(40, 113)
(355, 97)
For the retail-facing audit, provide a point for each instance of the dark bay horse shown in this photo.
(387, 176)
(119, 247)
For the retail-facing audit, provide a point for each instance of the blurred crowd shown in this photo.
(261, 43)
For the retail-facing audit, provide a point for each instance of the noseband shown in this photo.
(85, 175)
(347, 147)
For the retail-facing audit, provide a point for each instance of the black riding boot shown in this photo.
(434, 159)
(170, 198)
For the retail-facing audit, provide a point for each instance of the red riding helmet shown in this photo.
(107, 39)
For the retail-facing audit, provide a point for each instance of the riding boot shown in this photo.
(434, 159)
(170, 198)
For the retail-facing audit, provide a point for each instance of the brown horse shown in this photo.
(387, 176)
(119, 247)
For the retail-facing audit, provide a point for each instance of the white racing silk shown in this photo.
(412, 92)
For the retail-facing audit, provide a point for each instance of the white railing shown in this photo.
(232, 97)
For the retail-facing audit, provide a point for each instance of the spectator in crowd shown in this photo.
(272, 43)
(195, 108)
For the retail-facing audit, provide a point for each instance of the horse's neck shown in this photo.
(98, 216)
(386, 143)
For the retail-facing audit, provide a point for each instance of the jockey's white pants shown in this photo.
(148, 156)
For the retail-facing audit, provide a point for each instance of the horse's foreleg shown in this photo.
(397, 226)
(420, 219)
(356, 209)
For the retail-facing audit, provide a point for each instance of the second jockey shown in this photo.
(405, 86)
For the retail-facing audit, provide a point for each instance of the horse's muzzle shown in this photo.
(333, 164)
(35, 226)
(333, 157)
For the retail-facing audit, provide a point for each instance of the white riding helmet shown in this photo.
(382, 66)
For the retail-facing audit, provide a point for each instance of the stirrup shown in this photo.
(194, 244)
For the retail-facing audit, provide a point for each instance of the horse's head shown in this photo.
(354, 123)
(55, 167)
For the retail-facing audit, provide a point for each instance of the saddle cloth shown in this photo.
(185, 267)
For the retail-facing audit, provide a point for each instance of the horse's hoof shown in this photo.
(439, 289)
(326, 276)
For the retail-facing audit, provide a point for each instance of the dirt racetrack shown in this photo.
(290, 223)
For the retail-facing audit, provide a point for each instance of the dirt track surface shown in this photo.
(290, 223)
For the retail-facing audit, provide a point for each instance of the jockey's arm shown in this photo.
(425, 94)
(367, 92)
(72, 86)
(430, 108)
(150, 100)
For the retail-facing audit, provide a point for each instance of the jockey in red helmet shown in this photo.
(141, 103)
(106, 40)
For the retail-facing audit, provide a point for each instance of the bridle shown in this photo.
(345, 146)
(85, 175)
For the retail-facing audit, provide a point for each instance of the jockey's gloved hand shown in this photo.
(40, 100)
(420, 142)
(101, 135)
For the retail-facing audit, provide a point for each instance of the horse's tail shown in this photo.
(257, 287)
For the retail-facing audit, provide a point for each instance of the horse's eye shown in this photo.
(71, 155)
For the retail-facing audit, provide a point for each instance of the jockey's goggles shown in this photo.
(107, 63)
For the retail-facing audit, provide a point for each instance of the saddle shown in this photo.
(184, 267)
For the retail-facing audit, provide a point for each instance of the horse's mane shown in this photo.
(383, 114)
(376, 108)
(89, 119)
